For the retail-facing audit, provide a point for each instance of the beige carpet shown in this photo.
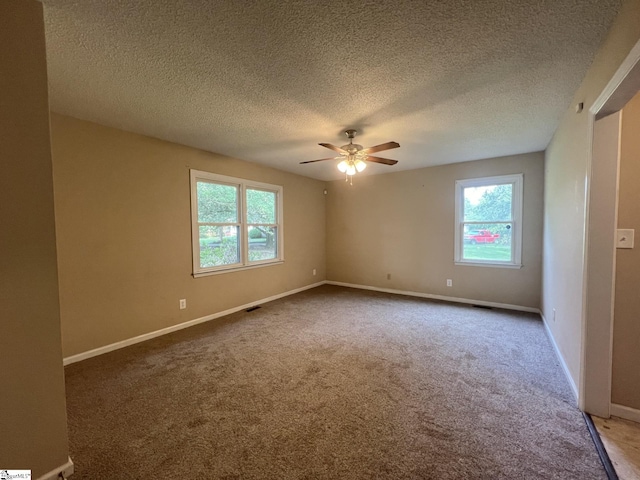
(333, 383)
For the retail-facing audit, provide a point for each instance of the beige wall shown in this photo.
(124, 235)
(625, 388)
(33, 426)
(403, 224)
(565, 177)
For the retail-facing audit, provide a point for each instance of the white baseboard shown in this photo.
(627, 413)
(567, 373)
(66, 470)
(148, 336)
(439, 297)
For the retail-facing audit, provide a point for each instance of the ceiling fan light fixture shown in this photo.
(353, 157)
(351, 169)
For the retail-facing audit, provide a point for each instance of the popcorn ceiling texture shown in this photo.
(266, 81)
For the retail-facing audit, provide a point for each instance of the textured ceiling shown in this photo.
(267, 81)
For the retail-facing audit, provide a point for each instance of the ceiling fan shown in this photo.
(354, 157)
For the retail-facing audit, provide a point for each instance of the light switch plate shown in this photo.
(624, 237)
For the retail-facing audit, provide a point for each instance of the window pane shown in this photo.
(490, 203)
(490, 242)
(217, 203)
(263, 243)
(219, 246)
(261, 206)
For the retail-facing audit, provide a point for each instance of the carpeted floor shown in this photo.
(333, 383)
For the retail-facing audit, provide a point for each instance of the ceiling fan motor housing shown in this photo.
(351, 148)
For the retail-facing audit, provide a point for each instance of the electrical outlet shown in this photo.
(449, 282)
(314, 271)
(388, 276)
(183, 303)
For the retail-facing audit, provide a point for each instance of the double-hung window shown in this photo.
(235, 223)
(489, 221)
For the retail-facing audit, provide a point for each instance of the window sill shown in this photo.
(236, 269)
(487, 264)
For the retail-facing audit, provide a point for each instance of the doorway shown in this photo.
(600, 249)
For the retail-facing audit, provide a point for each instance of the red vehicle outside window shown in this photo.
(480, 236)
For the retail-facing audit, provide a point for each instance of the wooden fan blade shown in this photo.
(386, 161)
(321, 160)
(333, 147)
(381, 147)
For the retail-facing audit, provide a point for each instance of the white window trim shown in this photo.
(243, 185)
(517, 180)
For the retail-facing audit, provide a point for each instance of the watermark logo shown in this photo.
(15, 474)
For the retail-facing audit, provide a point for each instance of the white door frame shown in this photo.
(599, 250)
